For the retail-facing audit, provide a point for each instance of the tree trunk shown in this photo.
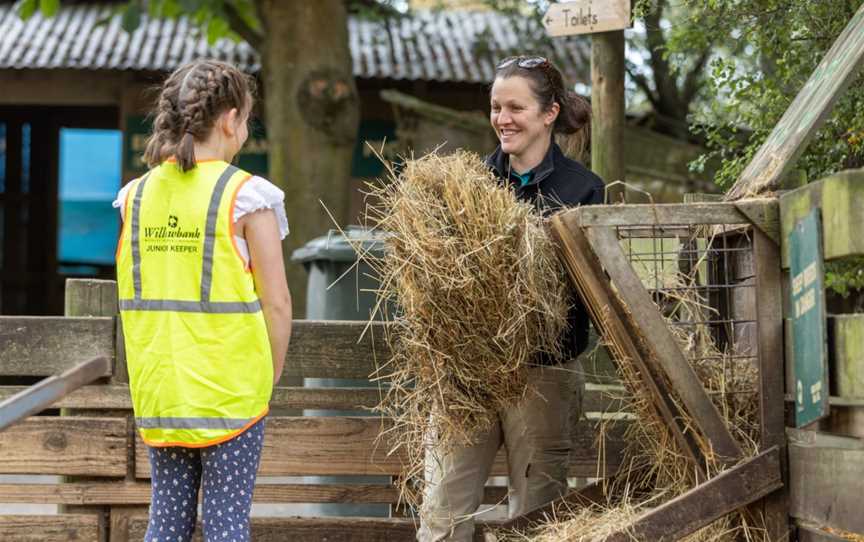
(312, 114)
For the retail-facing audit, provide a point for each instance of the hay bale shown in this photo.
(480, 292)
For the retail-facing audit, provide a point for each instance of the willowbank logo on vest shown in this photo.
(171, 238)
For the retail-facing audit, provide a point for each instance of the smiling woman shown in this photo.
(529, 103)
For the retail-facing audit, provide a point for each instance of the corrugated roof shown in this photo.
(430, 45)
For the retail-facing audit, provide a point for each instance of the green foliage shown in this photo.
(765, 52)
(845, 276)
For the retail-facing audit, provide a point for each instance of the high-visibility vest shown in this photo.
(197, 350)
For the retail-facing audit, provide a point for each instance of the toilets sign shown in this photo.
(587, 17)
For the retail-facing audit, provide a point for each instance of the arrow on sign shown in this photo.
(586, 17)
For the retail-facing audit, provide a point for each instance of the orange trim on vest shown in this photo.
(247, 264)
(213, 442)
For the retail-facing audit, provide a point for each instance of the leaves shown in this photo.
(131, 17)
(49, 8)
(27, 8)
(845, 276)
(764, 55)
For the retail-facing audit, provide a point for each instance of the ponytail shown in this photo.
(574, 123)
(186, 152)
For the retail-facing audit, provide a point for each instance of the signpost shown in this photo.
(605, 20)
(587, 17)
(808, 320)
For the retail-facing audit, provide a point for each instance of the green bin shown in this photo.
(340, 288)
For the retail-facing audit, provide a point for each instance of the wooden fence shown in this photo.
(92, 442)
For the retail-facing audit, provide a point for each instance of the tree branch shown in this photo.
(664, 81)
(253, 37)
(642, 82)
(694, 78)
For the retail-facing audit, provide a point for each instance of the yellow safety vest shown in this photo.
(200, 366)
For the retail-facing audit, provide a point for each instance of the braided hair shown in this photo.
(191, 100)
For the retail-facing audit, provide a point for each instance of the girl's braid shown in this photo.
(192, 99)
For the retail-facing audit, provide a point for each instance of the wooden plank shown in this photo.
(805, 114)
(843, 214)
(60, 445)
(589, 495)
(334, 349)
(597, 398)
(310, 529)
(40, 346)
(90, 297)
(825, 479)
(671, 214)
(764, 213)
(138, 493)
(577, 17)
(40, 396)
(808, 533)
(730, 490)
(301, 446)
(847, 354)
(608, 317)
(49, 345)
(657, 337)
(53, 528)
(769, 318)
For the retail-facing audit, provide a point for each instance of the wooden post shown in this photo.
(607, 108)
(92, 297)
(769, 318)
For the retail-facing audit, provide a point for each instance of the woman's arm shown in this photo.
(261, 231)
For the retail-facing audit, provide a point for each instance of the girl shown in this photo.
(529, 103)
(204, 303)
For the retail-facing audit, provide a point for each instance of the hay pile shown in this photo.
(479, 291)
(654, 468)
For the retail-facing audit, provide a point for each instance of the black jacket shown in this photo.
(558, 182)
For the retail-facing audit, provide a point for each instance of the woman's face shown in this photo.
(517, 117)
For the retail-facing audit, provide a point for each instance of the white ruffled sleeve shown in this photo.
(258, 193)
(121, 199)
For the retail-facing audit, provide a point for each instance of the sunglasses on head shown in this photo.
(527, 62)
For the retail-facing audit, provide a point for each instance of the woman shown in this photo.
(204, 302)
(529, 103)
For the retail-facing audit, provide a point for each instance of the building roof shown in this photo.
(451, 46)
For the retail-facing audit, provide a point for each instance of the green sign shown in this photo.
(380, 135)
(808, 320)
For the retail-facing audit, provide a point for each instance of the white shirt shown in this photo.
(255, 194)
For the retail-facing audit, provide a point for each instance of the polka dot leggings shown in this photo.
(225, 472)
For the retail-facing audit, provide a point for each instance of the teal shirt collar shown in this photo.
(522, 179)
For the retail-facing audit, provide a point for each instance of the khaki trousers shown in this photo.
(538, 437)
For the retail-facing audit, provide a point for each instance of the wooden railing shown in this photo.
(92, 442)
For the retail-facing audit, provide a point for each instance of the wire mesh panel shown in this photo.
(701, 277)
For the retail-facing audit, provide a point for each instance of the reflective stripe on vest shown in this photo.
(206, 269)
(200, 369)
